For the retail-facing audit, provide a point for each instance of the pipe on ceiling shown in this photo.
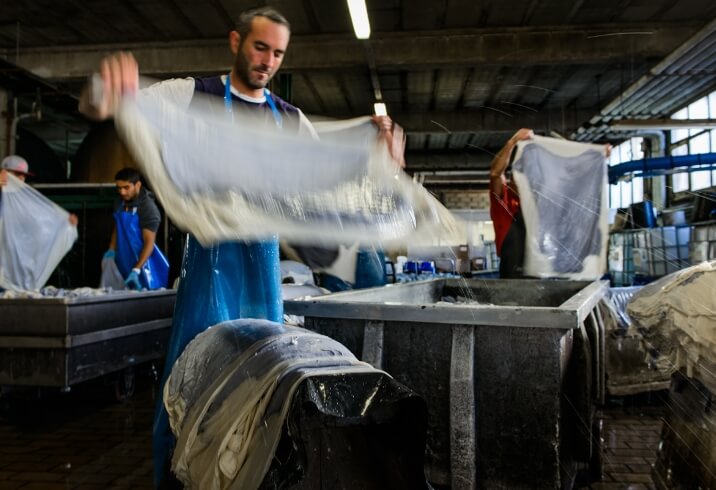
(36, 113)
(659, 165)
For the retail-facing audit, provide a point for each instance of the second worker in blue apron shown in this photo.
(133, 246)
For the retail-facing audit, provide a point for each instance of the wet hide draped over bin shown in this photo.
(231, 391)
(677, 315)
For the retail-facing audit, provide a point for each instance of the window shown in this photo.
(700, 179)
(680, 181)
(713, 148)
(624, 193)
(699, 109)
(692, 142)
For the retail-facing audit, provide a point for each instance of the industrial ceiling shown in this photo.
(459, 75)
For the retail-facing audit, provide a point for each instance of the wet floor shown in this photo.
(86, 440)
(631, 433)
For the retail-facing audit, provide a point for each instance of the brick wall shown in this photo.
(465, 199)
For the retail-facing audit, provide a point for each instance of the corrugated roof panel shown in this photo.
(437, 141)
(449, 88)
(415, 142)
(459, 140)
(420, 89)
(478, 88)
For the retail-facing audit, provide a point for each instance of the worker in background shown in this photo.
(342, 267)
(233, 279)
(17, 166)
(133, 243)
(505, 210)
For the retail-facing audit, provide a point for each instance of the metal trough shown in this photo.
(510, 383)
(57, 342)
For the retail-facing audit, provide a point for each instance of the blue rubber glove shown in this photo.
(132, 281)
(109, 254)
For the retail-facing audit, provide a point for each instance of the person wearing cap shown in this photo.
(18, 167)
(132, 245)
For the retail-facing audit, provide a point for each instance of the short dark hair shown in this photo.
(128, 175)
(243, 25)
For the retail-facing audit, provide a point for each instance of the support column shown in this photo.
(5, 115)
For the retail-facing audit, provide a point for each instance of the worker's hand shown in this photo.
(522, 134)
(3, 178)
(607, 150)
(73, 219)
(132, 281)
(118, 77)
(394, 136)
(109, 254)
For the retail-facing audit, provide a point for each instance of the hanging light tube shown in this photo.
(359, 17)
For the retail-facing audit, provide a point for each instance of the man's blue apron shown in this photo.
(155, 271)
(224, 281)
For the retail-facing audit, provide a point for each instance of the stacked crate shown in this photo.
(493, 260)
(648, 253)
(661, 251)
(621, 265)
(703, 243)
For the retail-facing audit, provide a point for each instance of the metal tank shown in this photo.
(511, 383)
(58, 342)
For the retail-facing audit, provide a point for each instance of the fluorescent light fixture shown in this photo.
(380, 109)
(359, 17)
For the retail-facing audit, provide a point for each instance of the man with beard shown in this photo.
(241, 279)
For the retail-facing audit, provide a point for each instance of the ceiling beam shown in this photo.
(485, 120)
(447, 160)
(445, 48)
(576, 5)
(662, 123)
(141, 20)
(172, 6)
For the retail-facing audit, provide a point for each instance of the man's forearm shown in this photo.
(498, 167)
(148, 238)
(502, 159)
(147, 249)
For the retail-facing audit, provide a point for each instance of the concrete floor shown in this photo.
(85, 440)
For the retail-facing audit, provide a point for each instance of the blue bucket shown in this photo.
(411, 267)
